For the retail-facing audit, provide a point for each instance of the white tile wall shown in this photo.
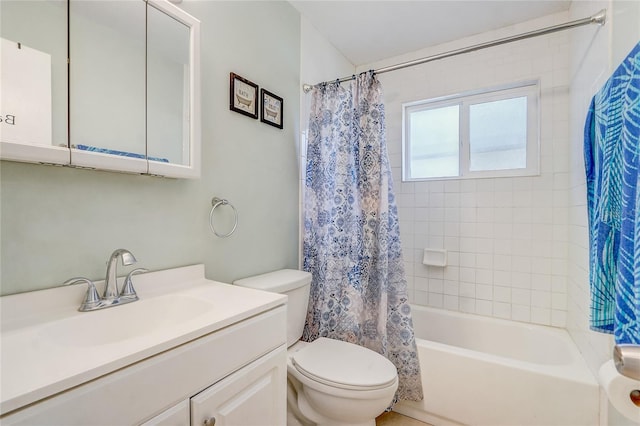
(594, 54)
(507, 238)
(591, 65)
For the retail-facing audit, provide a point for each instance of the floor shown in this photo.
(394, 419)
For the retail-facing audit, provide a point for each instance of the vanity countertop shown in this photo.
(47, 346)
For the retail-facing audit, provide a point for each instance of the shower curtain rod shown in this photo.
(599, 18)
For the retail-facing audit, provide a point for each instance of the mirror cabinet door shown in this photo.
(172, 139)
(107, 84)
(33, 81)
(167, 88)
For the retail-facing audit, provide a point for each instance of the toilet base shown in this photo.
(301, 413)
(294, 416)
(312, 403)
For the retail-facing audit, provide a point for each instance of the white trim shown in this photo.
(102, 161)
(474, 92)
(193, 168)
(34, 153)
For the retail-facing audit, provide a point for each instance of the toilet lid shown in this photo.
(344, 365)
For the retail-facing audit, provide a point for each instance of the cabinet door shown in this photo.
(107, 84)
(253, 395)
(33, 81)
(173, 86)
(178, 415)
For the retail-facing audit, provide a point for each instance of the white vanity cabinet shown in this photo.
(227, 363)
(227, 375)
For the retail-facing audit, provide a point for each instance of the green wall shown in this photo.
(60, 222)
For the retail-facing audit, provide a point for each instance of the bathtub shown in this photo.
(485, 371)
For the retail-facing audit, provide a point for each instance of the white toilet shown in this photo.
(330, 382)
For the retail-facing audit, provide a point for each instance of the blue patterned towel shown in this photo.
(612, 162)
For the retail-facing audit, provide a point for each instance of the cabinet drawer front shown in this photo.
(137, 393)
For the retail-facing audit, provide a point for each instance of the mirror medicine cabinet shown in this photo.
(107, 84)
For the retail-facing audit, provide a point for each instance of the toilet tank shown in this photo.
(295, 284)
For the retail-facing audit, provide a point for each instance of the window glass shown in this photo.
(434, 142)
(498, 135)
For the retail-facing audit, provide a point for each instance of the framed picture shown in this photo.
(243, 96)
(271, 108)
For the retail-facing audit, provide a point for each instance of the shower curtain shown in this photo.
(351, 233)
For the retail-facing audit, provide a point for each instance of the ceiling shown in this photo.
(366, 31)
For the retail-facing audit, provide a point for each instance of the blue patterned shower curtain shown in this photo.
(351, 233)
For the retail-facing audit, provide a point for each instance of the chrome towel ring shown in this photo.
(215, 203)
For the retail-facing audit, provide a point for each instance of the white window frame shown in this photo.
(528, 89)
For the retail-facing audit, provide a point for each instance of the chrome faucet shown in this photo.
(111, 296)
(111, 281)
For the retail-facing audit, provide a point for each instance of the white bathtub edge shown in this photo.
(495, 382)
(405, 408)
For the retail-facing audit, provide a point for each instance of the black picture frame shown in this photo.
(271, 108)
(243, 96)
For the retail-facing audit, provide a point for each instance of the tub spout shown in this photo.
(627, 360)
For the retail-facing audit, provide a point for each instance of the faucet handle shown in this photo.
(91, 298)
(127, 288)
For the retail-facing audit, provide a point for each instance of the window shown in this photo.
(490, 133)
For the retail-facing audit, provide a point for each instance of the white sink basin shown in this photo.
(49, 347)
(128, 321)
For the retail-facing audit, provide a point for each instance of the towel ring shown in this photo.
(216, 202)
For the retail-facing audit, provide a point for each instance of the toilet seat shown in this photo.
(344, 365)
